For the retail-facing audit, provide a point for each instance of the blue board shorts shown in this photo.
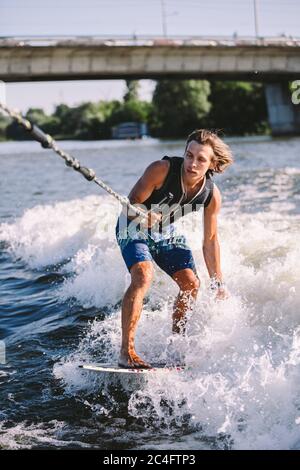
(170, 254)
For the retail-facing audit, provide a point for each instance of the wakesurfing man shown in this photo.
(176, 186)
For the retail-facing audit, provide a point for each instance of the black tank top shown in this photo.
(171, 192)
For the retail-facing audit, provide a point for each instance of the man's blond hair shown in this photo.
(222, 154)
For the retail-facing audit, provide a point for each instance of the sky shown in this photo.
(125, 18)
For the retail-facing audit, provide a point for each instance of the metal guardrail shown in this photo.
(234, 40)
(148, 36)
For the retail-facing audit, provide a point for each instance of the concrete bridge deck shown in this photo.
(77, 58)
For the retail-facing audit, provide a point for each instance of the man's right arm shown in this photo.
(153, 178)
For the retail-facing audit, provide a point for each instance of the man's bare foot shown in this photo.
(132, 361)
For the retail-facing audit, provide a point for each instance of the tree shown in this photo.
(238, 108)
(49, 124)
(36, 116)
(130, 111)
(132, 93)
(86, 121)
(179, 106)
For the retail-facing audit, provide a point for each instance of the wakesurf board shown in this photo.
(115, 369)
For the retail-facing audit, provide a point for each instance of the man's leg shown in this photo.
(189, 284)
(141, 277)
(176, 259)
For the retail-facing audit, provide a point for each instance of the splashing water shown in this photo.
(240, 388)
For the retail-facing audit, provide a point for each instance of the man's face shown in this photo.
(197, 160)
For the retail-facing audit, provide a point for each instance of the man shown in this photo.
(182, 182)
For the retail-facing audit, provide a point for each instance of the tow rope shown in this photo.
(48, 142)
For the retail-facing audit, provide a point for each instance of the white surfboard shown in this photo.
(114, 368)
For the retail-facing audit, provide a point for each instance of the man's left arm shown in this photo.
(211, 246)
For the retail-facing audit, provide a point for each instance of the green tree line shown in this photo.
(177, 107)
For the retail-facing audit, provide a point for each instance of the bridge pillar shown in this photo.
(284, 116)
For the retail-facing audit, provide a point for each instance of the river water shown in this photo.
(63, 278)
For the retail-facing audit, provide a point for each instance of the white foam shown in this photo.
(25, 436)
(243, 353)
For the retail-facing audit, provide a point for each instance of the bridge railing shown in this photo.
(126, 40)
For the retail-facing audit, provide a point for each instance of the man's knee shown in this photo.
(187, 280)
(141, 274)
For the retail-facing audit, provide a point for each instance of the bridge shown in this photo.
(274, 61)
